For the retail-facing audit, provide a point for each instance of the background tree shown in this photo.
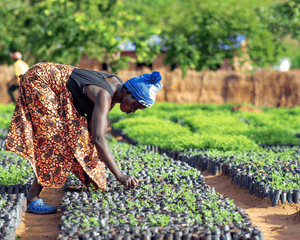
(13, 20)
(197, 34)
(283, 21)
(97, 27)
(212, 27)
(59, 30)
(200, 34)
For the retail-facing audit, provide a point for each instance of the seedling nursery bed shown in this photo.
(171, 202)
(236, 145)
(16, 178)
(273, 173)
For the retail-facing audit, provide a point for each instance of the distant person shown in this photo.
(20, 67)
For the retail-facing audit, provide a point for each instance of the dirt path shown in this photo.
(281, 222)
(42, 227)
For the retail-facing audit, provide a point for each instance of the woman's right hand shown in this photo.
(128, 181)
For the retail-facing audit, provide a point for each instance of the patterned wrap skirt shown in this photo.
(48, 131)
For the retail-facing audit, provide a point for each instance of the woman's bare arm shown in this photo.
(102, 101)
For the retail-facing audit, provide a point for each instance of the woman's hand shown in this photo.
(128, 181)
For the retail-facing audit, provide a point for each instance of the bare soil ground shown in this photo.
(279, 222)
(42, 227)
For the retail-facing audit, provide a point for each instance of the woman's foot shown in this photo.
(35, 204)
(40, 207)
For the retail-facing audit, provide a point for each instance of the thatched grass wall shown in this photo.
(264, 88)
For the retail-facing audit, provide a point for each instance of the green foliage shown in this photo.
(181, 53)
(2, 201)
(216, 123)
(194, 30)
(169, 135)
(200, 126)
(4, 121)
(200, 32)
(282, 18)
(274, 118)
(263, 49)
(16, 168)
(58, 31)
(7, 108)
(6, 112)
(14, 15)
(180, 201)
(159, 220)
(152, 130)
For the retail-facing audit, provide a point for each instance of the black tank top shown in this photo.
(76, 84)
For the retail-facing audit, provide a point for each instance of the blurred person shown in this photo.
(60, 121)
(20, 67)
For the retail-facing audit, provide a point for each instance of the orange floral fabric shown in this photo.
(47, 130)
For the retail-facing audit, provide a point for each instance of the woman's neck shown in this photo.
(118, 95)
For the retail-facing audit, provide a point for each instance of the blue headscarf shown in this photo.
(145, 87)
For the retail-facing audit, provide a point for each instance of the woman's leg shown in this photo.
(34, 191)
(36, 204)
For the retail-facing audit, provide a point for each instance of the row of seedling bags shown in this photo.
(14, 186)
(281, 185)
(171, 202)
(273, 173)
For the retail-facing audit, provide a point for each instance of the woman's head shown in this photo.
(129, 103)
(145, 87)
(17, 55)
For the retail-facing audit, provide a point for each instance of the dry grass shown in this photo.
(264, 88)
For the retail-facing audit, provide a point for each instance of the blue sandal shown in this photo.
(39, 207)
